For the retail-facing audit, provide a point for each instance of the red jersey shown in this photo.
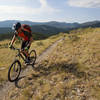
(26, 33)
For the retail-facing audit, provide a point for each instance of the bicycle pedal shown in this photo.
(27, 63)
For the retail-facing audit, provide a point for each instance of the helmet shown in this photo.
(16, 26)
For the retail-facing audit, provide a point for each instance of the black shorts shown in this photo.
(25, 44)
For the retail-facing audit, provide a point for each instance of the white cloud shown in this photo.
(46, 8)
(16, 1)
(26, 12)
(43, 3)
(84, 3)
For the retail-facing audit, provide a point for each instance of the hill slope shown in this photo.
(45, 29)
(42, 29)
(71, 71)
(9, 23)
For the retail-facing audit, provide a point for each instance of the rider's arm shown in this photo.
(13, 39)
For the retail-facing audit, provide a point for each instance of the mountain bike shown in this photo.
(15, 68)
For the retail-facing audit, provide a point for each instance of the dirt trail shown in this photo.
(4, 90)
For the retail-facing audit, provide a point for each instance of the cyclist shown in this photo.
(23, 31)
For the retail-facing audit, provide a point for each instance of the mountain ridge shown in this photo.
(9, 23)
(52, 27)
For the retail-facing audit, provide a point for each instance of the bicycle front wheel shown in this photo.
(14, 71)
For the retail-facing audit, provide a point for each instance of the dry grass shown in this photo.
(70, 72)
(7, 56)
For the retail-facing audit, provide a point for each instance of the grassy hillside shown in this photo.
(7, 56)
(73, 69)
(70, 72)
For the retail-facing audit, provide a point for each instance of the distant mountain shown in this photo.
(46, 29)
(91, 24)
(62, 24)
(9, 23)
(43, 29)
(51, 27)
(5, 30)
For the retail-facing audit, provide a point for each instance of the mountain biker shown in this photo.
(24, 32)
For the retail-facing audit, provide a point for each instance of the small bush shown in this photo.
(73, 37)
(40, 43)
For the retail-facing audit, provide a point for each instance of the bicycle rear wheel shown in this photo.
(14, 71)
(33, 57)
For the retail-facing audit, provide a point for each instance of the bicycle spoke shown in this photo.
(14, 71)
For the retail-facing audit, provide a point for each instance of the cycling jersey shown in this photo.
(25, 34)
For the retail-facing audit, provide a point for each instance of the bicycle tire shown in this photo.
(13, 66)
(34, 58)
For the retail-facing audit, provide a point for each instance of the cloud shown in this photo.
(15, 1)
(84, 3)
(44, 8)
(16, 10)
(26, 12)
(43, 3)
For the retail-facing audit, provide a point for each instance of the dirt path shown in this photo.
(4, 90)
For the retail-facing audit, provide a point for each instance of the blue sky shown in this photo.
(50, 10)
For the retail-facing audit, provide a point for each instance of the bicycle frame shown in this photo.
(14, 70)
(19, 54)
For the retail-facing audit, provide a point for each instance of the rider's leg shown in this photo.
(25, 52)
